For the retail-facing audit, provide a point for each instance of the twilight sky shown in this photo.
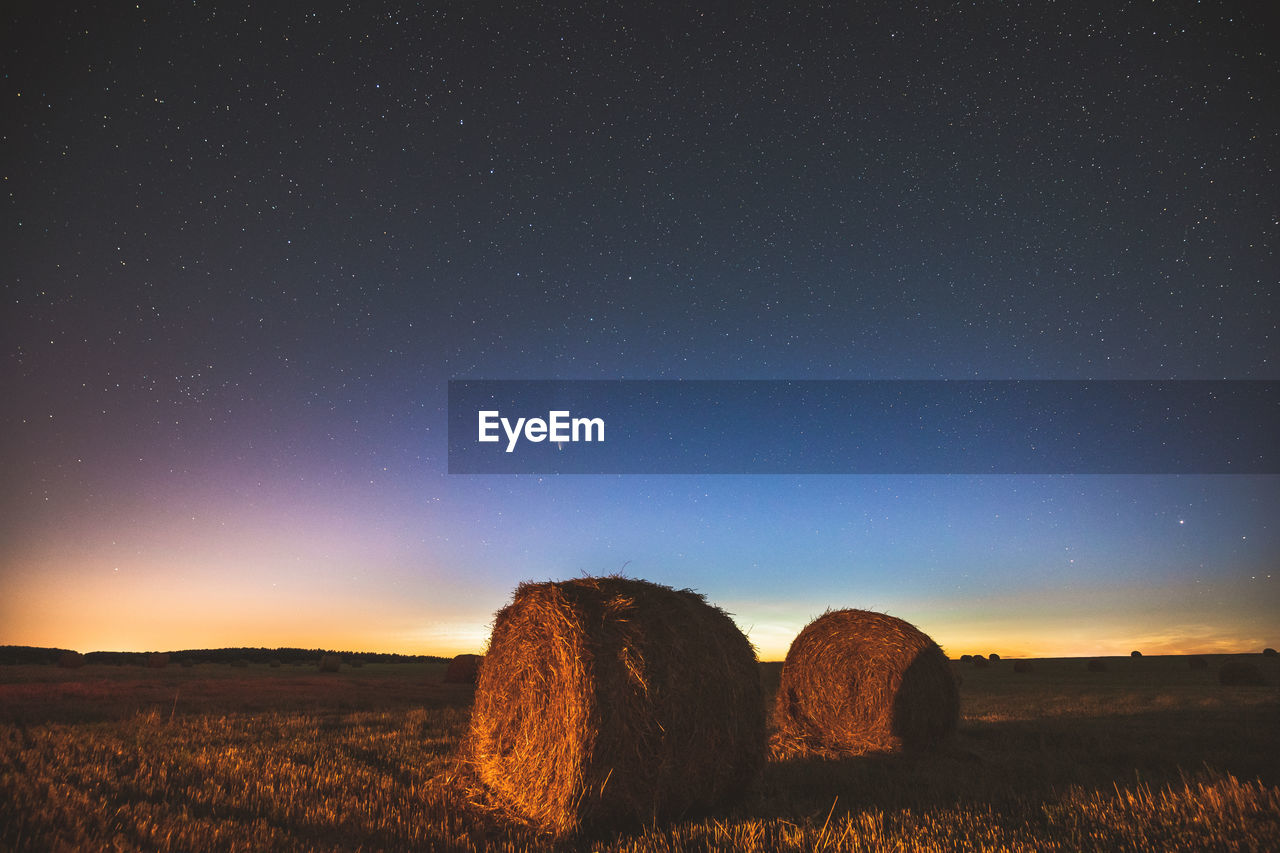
(247, 245)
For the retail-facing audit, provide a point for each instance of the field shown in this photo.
(1148, 755)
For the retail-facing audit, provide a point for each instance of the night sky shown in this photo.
(247, 245)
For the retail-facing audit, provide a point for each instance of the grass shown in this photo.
(1147, 755)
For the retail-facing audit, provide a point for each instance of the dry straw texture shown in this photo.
(463, 669)
(611, 702)
(855, 681)
(330, 663)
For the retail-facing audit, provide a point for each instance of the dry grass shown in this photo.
(612, 701)
(1153, 757)
(856, 681)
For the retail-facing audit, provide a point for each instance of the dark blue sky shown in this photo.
(247, 247)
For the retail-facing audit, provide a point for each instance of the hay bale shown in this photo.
(330, 663)
(993, 657)
(1022, 666)
(1240, 672)
(856, 681)
(463, 669)
(71, 660)
(157, 660)
(966, 658)
(1269, 652)
(1135, 654)
(981, 662)
(607, 702)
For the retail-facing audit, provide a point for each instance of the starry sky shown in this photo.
(247, 246)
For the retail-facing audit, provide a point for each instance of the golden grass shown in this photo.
(1055, 759)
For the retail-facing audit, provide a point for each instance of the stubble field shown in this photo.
(1148, 755)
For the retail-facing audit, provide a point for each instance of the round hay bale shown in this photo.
(1022, 666)
(981, 662)
(330, 663)
(966, 658)
(1240, 672)
(463, 669)
(1135, 654)
(1269, 652)
(607, 702)
(856, 681)
(993, 657)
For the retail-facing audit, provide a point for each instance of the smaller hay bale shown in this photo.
(71, 660)
(1022, 666)
(463, 669)
(1240, 673)
(1096, 665)
(981, 662)
(1269, 652)
(966, 658)
(1197, 662)
(993, 657)
(1135, 654)
(856, 681)
(157, 660)
(330, 663)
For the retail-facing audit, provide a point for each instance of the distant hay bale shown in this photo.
(463, 669)
(1135, 654)
(856, 681)
(1240, 672)
(330, 663)
(1022, 666)
(993, 657)
(1197, 662)
(1096, 665)
(966, 658)
(606, 702)
(981, 662)
(157, 660)
(71, 660)
(1269, 652)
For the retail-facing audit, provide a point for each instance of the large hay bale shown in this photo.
(856, 681)
(1240, 672)
(607, 702)
(329, 663)
(463, 669)
(1269, 652)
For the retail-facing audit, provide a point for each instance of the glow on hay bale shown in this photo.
(606, 702)
(856, 681)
